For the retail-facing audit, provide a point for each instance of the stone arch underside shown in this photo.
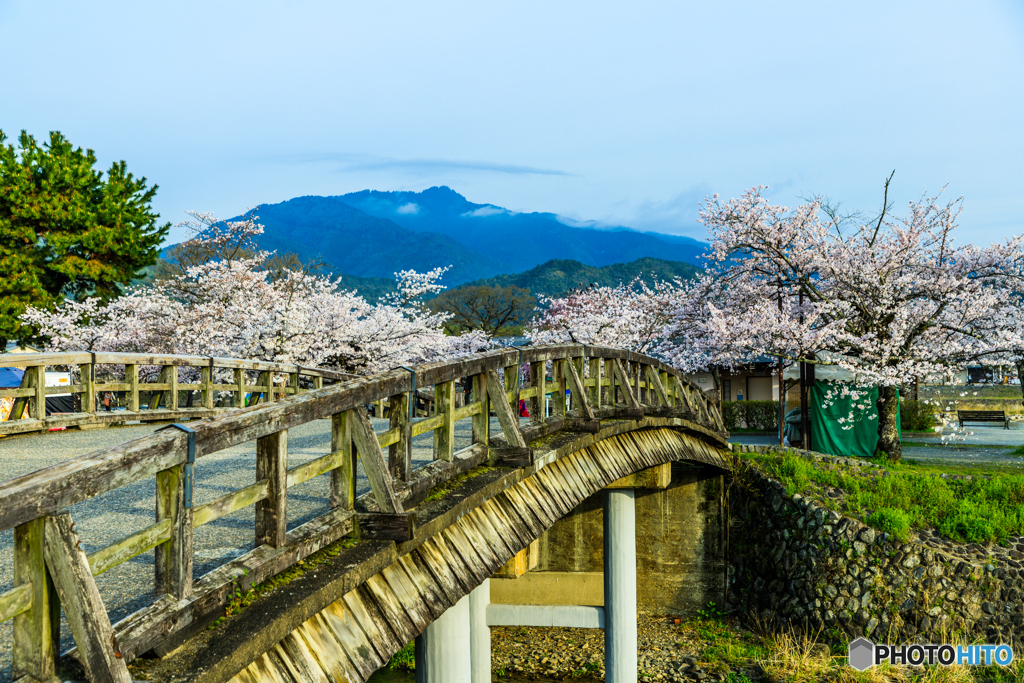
(356, 635)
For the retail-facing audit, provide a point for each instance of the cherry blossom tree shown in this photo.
(225, 301)
(889, 301)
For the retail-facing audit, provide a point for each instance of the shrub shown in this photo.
(892, 521)
(916, 416)
(762, 416)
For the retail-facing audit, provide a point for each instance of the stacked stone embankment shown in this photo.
(796, 562)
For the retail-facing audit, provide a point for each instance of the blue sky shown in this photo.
(597, 111)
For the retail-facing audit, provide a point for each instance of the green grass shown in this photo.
(984, 508)
(404, 658)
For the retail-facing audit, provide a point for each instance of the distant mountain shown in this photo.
(558, 276)
(519, 241)
(351, 241)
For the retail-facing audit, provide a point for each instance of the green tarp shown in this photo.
(827, 433)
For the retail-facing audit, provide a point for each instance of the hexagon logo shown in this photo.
(862, 654)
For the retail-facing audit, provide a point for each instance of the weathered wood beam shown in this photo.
(83, 606)
(374, 465)
(508, 420)
(271, 512)
(444, 435)
(36, 642)
(579, 393)
(382, 526)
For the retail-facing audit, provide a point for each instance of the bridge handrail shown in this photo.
(32, 393)
(597, 378)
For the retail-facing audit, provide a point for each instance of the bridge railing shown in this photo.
(159, 380)
(603, 383)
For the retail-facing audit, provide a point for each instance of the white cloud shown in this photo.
(409, 208)
(485, 211)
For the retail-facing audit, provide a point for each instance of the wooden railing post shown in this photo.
(88, 382)
(343, 478)
(482, 420)
(293, 382)
(28, 381)
(207, 382)
(595, 376)
(512, 386)
(558, 391)
(36, 632)
(272, 465)
(400, 453)
(131, 376)
(173, 558)
(538, 380)
(239, 388)
(318, 382)
(444, 436)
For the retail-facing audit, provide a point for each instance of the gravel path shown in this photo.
(112, 516)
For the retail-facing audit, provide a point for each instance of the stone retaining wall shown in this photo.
(794, 561)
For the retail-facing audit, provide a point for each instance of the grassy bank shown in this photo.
(976, 507)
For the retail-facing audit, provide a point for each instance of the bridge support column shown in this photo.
(480, 632)
(620, 661)
(442, 655)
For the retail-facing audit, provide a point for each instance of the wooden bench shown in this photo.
(982, 416)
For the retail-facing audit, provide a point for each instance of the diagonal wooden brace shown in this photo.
(508, 420)
(579, 394)
(83, 606)
(632, 405)
(653, 380)
(374, 464)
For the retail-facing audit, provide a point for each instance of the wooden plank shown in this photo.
(543, 484)
(431, 374)
(173, 558)
(20, 360)
(546, 352)
(508, 420)
(427, 424)
(301, 662)
(272, 466)
(232, 502)
(129, 547)
(27, 385)
(512, 387)
(563, 470)
(343, 478)
(558, 403)
(476, 522)
(407, 595)
(526, 529)
(551, 505)
(328, 653)
(389, 438)
(373, 624)
(336, 619)
(399, 451)
(383, 526)
(654, 381)
(510, 457)
(430, 558)
(314, 468)
(36, 641)
(468, 410)
(340, 644)
(431, 594)
(83, 606)
(16, 601)
(465, 532)
(373, 462)
(464, 559)
(378, 591)
(497, 530)
(444, 435)
(532, 516)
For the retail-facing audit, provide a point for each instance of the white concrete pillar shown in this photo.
(620, 665)
(442, 652)
(480, 632)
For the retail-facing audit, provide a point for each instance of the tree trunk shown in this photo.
(1020, 375)
(888, 425)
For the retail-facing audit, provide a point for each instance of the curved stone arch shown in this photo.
(355, 635)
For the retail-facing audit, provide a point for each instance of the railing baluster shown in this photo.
(131, 376)
(400, 453)
(173, 558)
(343, 479)
(538, 380)
(482, 420)
(88, 400)
(272, 465)
(444, 436)
(595, 375)
(558, 391)
(512, 386)
(37, 631)
(239, 388)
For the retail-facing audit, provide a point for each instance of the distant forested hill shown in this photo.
(556, 277)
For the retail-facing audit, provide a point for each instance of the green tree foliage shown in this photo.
(66, 230)
(494, 310)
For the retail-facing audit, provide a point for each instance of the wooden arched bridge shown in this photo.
(401, 558)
